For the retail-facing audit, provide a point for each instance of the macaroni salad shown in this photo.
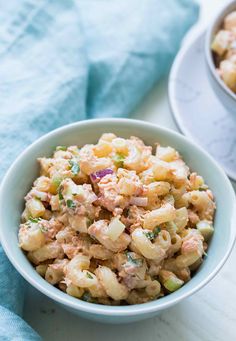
(114, 223)
(224, 48)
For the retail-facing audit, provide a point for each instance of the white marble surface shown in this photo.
(209, 315)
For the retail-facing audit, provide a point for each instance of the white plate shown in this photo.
(196, 109)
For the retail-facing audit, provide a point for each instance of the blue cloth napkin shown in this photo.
(63, 61)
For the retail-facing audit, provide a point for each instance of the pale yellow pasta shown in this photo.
(31, 239)
(41, 269)
(90, 163)
(111, 223)
(138, 158)
(129, 182)
(108, 137)
(171, 228)
(110, 283)
(74, 291)
(79, 223)
(178, 194)
(181, 218)
(195, 181)
(183, 261)
(169, 198)
(53, 275)
(161, 215)
(163, 240)
(228, 73)
(148, 249)
(182, 273)
(176, 242)
(202, 203)
(133, 161)
(157, 188)
(77, 272)
(120, 145)
(153, 289)
(223, 47)
(43, 184)
(100, 252)
(35, 207)
(103, 149)
(221, 42)
(230, 21)
(48, 251)
(166, 153)
(179, 171)
(138, 297)
(97, 290)
(161, 170)
(99, 230)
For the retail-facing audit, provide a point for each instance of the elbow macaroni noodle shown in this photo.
(224, 49)
(113, 223)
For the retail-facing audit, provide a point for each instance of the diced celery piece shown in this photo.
(56, 181)
(206, 229)
(115, 228)
(173, 283)
(71, 190)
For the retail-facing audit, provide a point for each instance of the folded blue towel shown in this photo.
(63, 61)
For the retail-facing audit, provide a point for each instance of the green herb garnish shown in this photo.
(137, 262)
(156, 230)
(43, 229)
(152, 234)
(75, 168)
(87, 297)
(64, 148)
(34, 220)
(70, 203)
(60, 193)
(89, 276)
(119, 160)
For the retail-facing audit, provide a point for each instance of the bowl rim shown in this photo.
(105, 310)
(217, 20)
(195, 35)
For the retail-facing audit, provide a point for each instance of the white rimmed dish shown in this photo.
(224, 94)
(198, 112)
(20, 176)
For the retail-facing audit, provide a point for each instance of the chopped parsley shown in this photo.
(43, 229)
(34, 220)
(89, 276)
(87, 297)
(152, 234)
(70, 203)
(202, 188)
(156, 230)
(119, 160)
(75, 168)
(64, 148)
(60, 193)
(137, 262)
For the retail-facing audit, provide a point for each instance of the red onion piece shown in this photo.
(139, 201)
(95, 177)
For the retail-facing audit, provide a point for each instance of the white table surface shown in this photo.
(209, 315)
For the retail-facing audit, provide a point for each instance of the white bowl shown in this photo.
(222, 91)
(22, 173)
